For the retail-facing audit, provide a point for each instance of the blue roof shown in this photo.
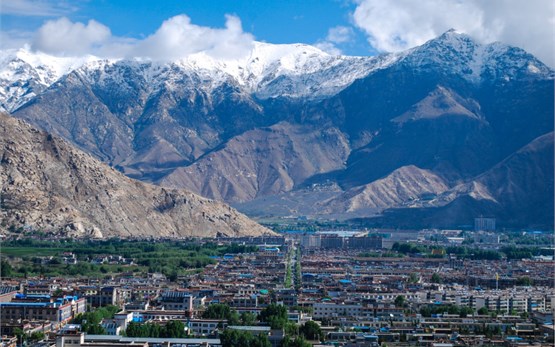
(26, 304)
(370, 337)
(38, 296)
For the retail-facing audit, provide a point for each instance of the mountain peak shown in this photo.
(457, 53)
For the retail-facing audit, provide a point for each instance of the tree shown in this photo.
(174, 329)
(134, 330)
(524, 281)
(436, 278)
(413, 277)
(37, 336)
(6, 270)
(223, 312)
(247, 318)
(311, 331)
(400, 301)
(238, 338)
(21, 336)
(275, 315)
(464, 311)
(299, 341)
(291, 328)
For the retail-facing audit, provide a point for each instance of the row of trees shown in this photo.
(224, 312)
(510, 252)
(172, 329)
(273, 315)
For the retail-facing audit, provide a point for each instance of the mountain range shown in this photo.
(434, 136)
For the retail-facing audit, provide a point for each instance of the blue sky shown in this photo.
(353, 27)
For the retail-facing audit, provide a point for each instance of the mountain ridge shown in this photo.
(298, 118)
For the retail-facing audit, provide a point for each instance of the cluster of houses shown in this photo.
(357, 301)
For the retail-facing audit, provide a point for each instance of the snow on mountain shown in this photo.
(293, 70)
(270, 70)
(458, 54)
(24, 74)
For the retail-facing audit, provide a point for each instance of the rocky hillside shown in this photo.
(46, 184)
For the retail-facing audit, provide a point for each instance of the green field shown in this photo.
(28, 257)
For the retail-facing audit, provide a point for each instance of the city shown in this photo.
(361, 288)
(355, 173)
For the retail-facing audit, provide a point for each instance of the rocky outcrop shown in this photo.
(46, 184)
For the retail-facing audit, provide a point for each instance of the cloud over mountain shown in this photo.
(397, 25)
(176, 38)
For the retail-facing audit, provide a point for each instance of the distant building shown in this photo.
(309, 241)
(44, 308)
(177, 300)
(484, 224)
(332, 242)
(366, 242)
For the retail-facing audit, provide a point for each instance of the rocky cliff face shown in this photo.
(48, 185)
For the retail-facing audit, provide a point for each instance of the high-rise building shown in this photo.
(484, 224)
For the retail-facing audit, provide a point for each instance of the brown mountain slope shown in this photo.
(402, 187)
(47, 184)
(264, 161)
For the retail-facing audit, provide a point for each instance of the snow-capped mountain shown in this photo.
(457, 53)
(25, 74)
(293, 70)
(287, 118)
(269, 71)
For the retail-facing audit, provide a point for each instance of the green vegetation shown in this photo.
(436, 278)
(520, 238)
(90, 321)
(172, 329)
(172, 258)
(299, 341)
(275, 315)
(298, 275)
(288, 277)
(462, 311)
(238, 338)
(311, 331)
(224, 312)
(280, 225)
(380, 255)
(400, 301)
(524, 281)
(510, 252)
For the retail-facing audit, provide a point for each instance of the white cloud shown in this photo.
(15, 38)
(63, 37)
(34, 8)
(336, 35)
(176, 38)
(401, 24)
(328, 47)
(340, 34)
